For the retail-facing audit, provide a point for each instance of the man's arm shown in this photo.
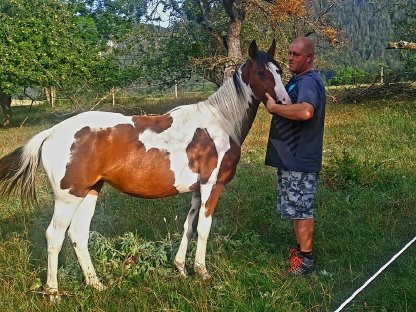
(298, 111)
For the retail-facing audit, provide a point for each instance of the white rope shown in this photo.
(375, 275)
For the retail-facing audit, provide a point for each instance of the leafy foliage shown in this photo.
(129, 256)
(41, 45)
(350, 76)
(403, 15)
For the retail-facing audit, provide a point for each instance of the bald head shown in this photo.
(301, 55)
(307, 44)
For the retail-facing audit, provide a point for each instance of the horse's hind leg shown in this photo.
(79, 233)
(55, 234)
(189, 229)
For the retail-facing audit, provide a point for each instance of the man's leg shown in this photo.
(304, 229)
(301, 261)
(301, 191)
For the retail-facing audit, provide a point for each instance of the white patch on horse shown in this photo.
(176, 139)
(279, 89)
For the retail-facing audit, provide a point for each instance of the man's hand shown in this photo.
(270, 103)
(298, 111)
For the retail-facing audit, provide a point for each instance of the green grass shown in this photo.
(365, 214)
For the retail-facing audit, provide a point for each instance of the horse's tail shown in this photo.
(18, 169)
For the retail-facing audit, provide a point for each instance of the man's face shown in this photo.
(300, 60)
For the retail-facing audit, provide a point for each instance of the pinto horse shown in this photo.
(192, 148)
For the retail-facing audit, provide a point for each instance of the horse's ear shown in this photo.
(272, 49)
(252, 50)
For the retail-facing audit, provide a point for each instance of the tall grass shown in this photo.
(365, 213)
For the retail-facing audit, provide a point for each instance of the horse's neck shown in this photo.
(250, 116)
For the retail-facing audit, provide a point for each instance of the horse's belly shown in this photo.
(146, 189)
(157, 174)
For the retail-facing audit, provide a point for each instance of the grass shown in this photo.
(365, 214)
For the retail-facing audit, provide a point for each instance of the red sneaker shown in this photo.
(293, 252)
(301, 265)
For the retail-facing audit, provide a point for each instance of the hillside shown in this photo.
(366, 29)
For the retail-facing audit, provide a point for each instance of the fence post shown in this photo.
(113, 96)
(176, 89)
(382, 75)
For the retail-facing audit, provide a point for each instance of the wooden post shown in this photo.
(176, 89)
(53, 96)
(382, 75)
(113, 96)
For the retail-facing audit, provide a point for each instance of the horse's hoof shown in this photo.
(206, 276)
(54, 299)
(202, 272)
(180, 266)
(97, 285)
(53, 296)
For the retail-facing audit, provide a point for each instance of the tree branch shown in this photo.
(208, 28)
(402, 45)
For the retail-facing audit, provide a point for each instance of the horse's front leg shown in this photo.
(189, 229)
(209, 199)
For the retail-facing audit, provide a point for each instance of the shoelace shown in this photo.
(296, 262)
(293, 252)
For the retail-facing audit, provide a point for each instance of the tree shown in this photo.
(403, 15)
(64, 45)
(224, 22)
(112, 19)
(41, 45)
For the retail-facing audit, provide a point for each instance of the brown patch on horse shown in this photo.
(115, 155)
(226, 173)
(157, 123)
(202, 155)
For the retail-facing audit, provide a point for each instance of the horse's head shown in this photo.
(263, 75)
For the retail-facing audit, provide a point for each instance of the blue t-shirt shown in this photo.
(297, 145)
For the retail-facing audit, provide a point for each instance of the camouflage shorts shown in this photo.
(296, 194)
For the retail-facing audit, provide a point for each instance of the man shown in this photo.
(295, 148)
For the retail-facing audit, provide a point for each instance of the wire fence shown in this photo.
(345, 88)
(88, 97)
(358, 88)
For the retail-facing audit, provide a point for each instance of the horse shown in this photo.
(192, 148)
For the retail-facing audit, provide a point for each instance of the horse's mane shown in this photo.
(229, 104)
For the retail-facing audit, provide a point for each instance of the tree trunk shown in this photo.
(402, 45)
(234, 49)
(53, 96)
(235, 9)
(50, 94)
(5, 103)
